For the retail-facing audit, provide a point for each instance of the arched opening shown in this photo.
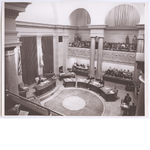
(79, 17)
(123, 15)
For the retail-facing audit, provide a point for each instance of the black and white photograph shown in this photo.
(74, 58)
(74, 75)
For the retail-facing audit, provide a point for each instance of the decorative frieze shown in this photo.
(79, 52)
(121, 57)
(110, 56)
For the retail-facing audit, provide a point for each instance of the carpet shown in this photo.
(76, 102)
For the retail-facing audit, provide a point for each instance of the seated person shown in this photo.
(40, 80)
(124, 74)
(108, 72)
(82, 44)
(127, 99)
(123, 45)
(120, 73)
(101, 81)
(116, 73)
(113, 72)
(128, 74)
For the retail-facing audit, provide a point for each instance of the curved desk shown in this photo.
(108, 94)
(44, 87)
(95, 86)
(69, 82)
(83, 83)
(80, 70)
(66, 75)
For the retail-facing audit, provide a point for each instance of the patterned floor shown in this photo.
(93, 104)
(110, 108)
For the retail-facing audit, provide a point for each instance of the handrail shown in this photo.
(35, 104)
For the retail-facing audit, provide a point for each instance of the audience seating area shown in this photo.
(119, 76)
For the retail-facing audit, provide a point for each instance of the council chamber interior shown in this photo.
(74, 58)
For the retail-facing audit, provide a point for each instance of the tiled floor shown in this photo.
(111, 108)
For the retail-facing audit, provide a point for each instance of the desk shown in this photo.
(66, 75)
(49, 75)
(80, 70)
(45, 86)
(108, 93)
(95, 86)
(117, 80)
(83, 83)
(69, 82)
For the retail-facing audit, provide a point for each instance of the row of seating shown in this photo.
(119, 73)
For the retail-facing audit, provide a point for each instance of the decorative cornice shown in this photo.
(108, 56)
(97, 26)
(12, 9)
(121, 28)
(44, 26)
(11, 14)
(16, 6)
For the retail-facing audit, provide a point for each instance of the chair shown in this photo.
(23, 87)
(61, 69)
(23, 93)
(37, 79)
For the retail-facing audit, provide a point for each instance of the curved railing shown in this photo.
(32, 105)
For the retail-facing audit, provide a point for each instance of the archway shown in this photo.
(79, 17)
(123, 15)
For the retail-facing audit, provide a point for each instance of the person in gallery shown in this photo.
(134, 42)
(127, 40)
(78, 37)
(75, 38)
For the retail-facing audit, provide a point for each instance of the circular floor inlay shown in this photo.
(73, 103)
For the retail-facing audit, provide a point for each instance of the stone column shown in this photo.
(12, 10)
(97, 31)
(140, 49)
(65, 52)
(39, 48)
(140, 110)
(99, 58)
(55, 54)
(92, 57)
(11, 76)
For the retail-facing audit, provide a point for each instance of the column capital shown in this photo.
(12, 10)
(97, 30)
(100, 37)
(38, 36)
(140, 26)
(91, 36)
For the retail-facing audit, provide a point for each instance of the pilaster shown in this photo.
(65, 51)
(39, 54)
